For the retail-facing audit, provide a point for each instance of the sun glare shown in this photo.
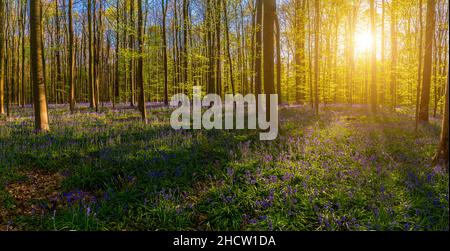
(363, 42)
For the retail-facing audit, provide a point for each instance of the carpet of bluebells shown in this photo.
(347, 170)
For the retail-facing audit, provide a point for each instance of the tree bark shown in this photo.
(71, 60)
(230, 62)
(426, 85)
(131, 61)
(2, 58)
(211, 79)
(140, 69)
(373, 86)
(316, 56)
(185, 42)
(59, 77)
(278, 38)
(269, 51)
(442, 156)
(36, 46)
(258, 47)
(164, 32)
(394, 55)
(218, 48)
(300, 71)
(24, 99)
(91, 57)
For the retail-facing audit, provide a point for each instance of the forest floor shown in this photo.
(348, 170)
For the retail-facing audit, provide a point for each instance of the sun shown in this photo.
(363, 42)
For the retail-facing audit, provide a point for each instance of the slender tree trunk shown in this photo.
(59, 77)
(164, 32)
(383, 57)
(91, 79)
(211, 79)
(252, 45)
(2, 58)
(218, 48)
(243, 52)
(426, 85)
(300, 71)
(185, 42)
(310, 57)
(131, 47)
(258, 47)
(269, 51)
(116, 89)
(99, 56)
(442, 156)
(40, 102)
(278, 36)
(316, 56)
(437, 62)
(71, 60)
(394, 55)
(24, 100)
(230, 62)
(373, 86)
(140, 69)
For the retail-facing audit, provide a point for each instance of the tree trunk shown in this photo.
(442, 157)
(383, 55)
(218, 47)
(91, 57)
(185, 42)
(278, 36)
(24, 100)
(131, 62)
(394, 55)
(258, 47)
(2, 58)
(140, 69)
(211, 80)
(299, 52)
(316, 56)
(269, 52)
(426, 85)
(164, 15)
(373, 86)
(36, 46)
(230, 62)
(71, 60)
(116, 89)
(419, 71)
(59, 77)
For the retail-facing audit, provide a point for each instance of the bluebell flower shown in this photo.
(230, 172)
(270, 225)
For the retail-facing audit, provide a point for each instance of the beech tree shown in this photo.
(442, 155)
(37, 70)
(71, 59)
(427, 67)
(2, 58)
(269, 50)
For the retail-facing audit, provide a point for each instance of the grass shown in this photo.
(348, 170)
